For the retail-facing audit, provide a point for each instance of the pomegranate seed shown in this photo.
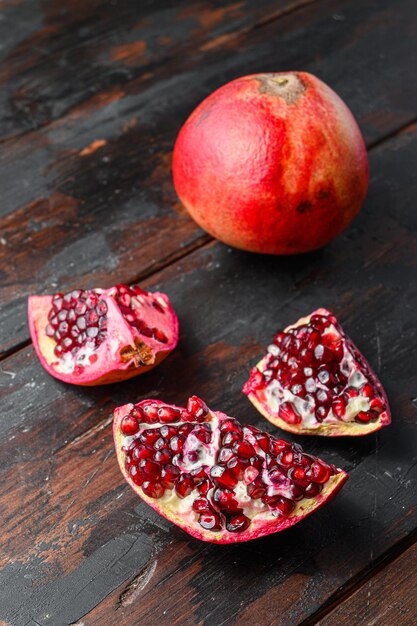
(156, 305)
(197, 407)
(321, 413)
(313, 339)
(136, 475)
(284, 506)
(339, 407)
(80, 308)
(203, 434)
(149, 436)
(169, 475)
(168, 414)
(225, 500)
(230, 438)
(205, 486)
(138, 413)
(129, 425)
(151, 413)
(250, 474)
(310, 385)
(81, 323)
(210, 521)
(198, 475)
(184, 486)
(312, 490)
(263, 441)
(185, 429)
(364, 417)
(278, 445)
(101, 308)
(150, 468)
(159, 335)
(318, 472)
(176, 444)
(277, 477)
(271, 499)
(376, 404)
(225, 455)
(288, 413)
(142, 452)
(229, 426)
(153, 490)
(168, 431)
(352, 392)
(239, 523)
(297, 473)
(244, 449)
(367, 391)
(163, 456)
(223, 477)
(286, 458)
(160, 444)
(49, 330)
(202, 505)
(256, 490)
(237, 467)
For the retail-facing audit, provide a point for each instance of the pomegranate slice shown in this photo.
(314, 381)
(102, 335)
(213, 477)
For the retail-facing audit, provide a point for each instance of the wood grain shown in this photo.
(388, 598)
(67, 512)
(87, 198)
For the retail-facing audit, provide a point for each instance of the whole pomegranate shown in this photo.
(102, 336)
(314, 381)
(272, 163)
(215, 478)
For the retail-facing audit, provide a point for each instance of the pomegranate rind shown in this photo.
(272, 163)
(260, 526)
(107, 366)
(340, 429)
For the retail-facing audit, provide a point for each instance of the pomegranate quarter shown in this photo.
(272, 163)
(102, 335)
(216, 479)
(314, 381)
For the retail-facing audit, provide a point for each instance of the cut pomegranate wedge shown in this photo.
(102, 335)
(314, 381)
(216, 479)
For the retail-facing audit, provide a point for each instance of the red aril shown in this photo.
(336, 393)
(102, 335)
(213, 490)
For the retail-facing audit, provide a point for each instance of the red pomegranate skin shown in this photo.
(272, 163)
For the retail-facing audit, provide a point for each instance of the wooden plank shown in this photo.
(61, 491)
(88, 199)
(388, 598)
(99, 46)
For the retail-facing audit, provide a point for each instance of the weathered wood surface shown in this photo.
(94, 95)
(70, 524)
(388, 598)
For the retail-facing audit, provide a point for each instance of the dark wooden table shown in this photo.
(92, 95)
